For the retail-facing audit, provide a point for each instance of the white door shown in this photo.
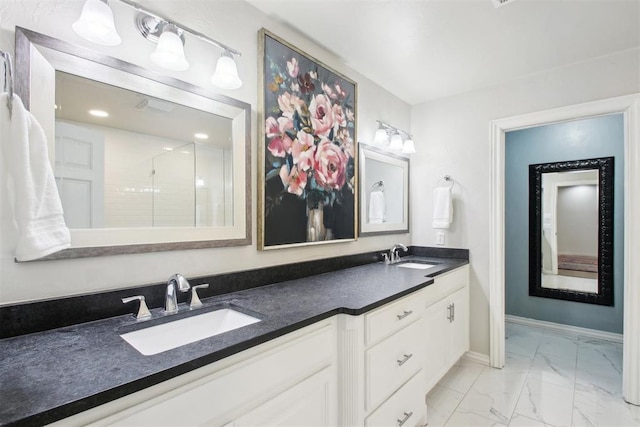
(79, 172)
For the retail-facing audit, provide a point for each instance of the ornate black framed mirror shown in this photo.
(571, 230)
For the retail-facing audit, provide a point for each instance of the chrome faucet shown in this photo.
(176, 283)
(393, 252)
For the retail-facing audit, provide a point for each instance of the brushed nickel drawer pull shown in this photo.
(404, 359)
(404, 314)
(407, 415)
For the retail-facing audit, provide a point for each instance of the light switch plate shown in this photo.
(440, 238)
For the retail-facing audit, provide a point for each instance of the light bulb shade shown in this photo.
(169, 53)
(408, 147)
(396, 143)
(381, 138)
(226, 74)
(96, 24)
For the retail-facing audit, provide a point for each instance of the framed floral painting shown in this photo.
(308, 153)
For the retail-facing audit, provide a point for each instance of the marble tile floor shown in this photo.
(550, 379)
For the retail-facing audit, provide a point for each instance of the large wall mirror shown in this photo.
(143, 162)
(571, 230)
(384, 192)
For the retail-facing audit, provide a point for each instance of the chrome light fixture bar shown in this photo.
(390, 138)
(168, 34)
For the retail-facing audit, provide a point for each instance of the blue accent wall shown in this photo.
(580, 139)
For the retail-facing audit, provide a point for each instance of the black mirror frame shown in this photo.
(605, 168)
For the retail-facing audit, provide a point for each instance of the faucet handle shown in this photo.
(195, 300)
(385, 258)
(143, 311)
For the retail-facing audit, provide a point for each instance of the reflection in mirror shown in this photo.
(571, 224)
(570, 230)
(124, 159)
(384, 192)
(163, 164)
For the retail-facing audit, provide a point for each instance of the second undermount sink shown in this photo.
(166, 336)
(415, 265)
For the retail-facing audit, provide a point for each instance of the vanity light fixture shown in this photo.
(226, 74)
(381, 139)
(96, 24)
(169, 35)
(396, 142)
(408, 147)
(169, 53)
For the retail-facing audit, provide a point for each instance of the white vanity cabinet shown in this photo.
(446, 323)
(288, 381)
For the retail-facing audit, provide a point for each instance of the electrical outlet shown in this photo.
(440, 238)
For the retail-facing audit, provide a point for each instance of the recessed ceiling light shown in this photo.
(98, 113)
(201, 136)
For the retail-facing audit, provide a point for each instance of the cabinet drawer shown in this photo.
(392, 317)
(446, 284)
(390, 363)
(406, 408)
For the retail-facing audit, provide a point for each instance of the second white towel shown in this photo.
(376, 207)
(442, 207)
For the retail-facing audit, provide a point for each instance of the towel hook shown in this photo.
(8, 79)
(378, 184)
(448, 180)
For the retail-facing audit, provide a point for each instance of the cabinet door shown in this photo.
(459, 326)
(436, 327)
(309, 403)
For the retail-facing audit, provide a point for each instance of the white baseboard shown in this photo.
(477, 357)
(592, 333)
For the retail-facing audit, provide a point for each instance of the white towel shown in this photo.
(376, 207)
(442, 207)
(37, 209)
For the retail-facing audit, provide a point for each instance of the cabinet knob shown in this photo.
(404, 314)
(404, 359)
(401, 421)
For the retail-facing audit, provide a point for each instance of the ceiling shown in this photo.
(422, 50)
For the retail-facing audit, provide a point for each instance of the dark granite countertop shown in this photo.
(47, 376)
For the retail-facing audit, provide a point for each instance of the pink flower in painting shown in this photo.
(288, 103)
(346, 142)
(294, 180)
(328, 91)
(276, 131)
(292, 67)
(350, 115)
(340, 92)
(330, 165)
(321, 115)
(339, 118)
(302, 151)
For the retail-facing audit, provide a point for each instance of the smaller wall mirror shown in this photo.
(571, 230)
(384, 192)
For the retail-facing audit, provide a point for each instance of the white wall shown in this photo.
(452, 137)
(236, 24)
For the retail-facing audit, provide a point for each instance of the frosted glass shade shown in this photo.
(226, 74)
(381, 139)
(96, 24)
(408, 147)
(396, 143)
(169, 53)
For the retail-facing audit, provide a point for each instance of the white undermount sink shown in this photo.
(416, 265)
(159, 338)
